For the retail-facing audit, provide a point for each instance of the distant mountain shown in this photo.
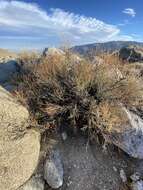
(105, 47)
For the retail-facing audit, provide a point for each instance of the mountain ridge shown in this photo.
(105, 46)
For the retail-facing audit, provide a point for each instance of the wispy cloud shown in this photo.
(129, 11)
(124, 23)
(27, 19)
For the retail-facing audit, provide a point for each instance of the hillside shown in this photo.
(105, 47)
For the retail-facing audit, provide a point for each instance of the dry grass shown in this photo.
(83, 95)
(28, 58)
(108, 116)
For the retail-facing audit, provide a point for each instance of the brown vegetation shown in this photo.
(60, 92)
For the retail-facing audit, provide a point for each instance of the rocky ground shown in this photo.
(90, 167)
(87, 166)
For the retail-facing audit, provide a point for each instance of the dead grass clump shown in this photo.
(115, 85)
(61, 92)
(28, 60)
(108, 116)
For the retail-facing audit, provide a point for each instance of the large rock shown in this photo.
(53, 169)
(13, 116)
(19, 147)
(74, 58)
(7, 70)
(18, 160)
(128, 136)
(137, 182)
(52, 51)
(137, 185)
(131, 54)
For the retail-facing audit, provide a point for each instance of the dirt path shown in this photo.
(89, 168)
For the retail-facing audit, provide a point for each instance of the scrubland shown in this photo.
(63, 91)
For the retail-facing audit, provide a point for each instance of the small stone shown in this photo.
(69, 183)
(74, 165)
(115, 169)
(135, 177)
(64, 136)
(104, 148)
(53, 170)
(123, 176)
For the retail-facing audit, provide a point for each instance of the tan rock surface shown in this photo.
(19, 147)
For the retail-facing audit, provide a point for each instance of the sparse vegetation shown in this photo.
(80, 96)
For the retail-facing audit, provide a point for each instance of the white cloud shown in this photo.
(124, 23)
(28, 19)
(129, 11)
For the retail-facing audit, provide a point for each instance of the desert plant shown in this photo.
(83, 95)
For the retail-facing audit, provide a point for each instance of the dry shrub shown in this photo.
(51, 66)
(104, 118)
(116, 85)
(28, 59)
(83, 95)
(84, 75)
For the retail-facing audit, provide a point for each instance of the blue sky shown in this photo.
(41, 23)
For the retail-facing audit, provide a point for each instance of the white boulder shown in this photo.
(129, 136)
